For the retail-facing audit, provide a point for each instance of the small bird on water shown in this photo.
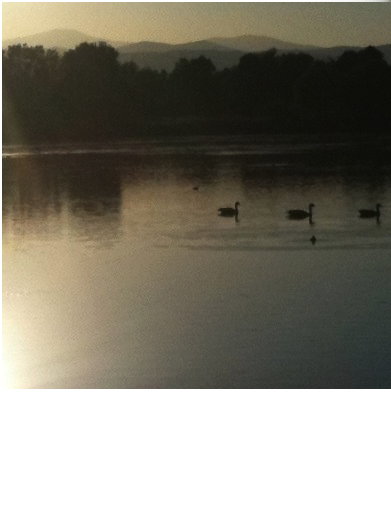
(313, 239)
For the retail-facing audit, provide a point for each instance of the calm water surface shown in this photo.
(117, 273)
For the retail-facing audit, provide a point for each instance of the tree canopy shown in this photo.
(87, 94)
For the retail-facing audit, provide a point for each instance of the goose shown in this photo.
(370, 213)
(301, 214)
(230, 212)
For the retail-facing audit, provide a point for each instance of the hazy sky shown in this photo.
(323, 24)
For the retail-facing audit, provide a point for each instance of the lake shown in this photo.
(118, 271)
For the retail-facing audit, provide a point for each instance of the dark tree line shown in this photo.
(87, 94)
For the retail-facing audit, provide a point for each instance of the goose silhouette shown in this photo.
(301, 214)
(364, 213)
(230, 212)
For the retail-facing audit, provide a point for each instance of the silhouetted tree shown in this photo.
(87, 94)
(192, 87)
(29, 90)
(89, 86)
(363, 89)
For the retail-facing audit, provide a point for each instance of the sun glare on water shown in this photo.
(6, 374)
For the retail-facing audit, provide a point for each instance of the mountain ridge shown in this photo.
(70, 38)
(251, 43)
(63, 38)
(223, 51)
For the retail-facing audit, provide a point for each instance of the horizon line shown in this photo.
(210, 38)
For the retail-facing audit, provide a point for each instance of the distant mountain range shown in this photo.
(57, 38)
(224, 52)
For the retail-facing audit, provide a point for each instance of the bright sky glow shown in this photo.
(324, 24)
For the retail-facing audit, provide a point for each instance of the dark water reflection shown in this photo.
(117, 273)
